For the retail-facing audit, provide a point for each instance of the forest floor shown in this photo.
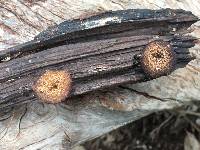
(167, 130)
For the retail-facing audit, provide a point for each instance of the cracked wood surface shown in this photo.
(42, 126)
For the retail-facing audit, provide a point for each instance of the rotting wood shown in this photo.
(107, 25)
(105, 57)
(87, 120)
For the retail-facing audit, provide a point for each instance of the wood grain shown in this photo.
(96, 59)
(42, 126)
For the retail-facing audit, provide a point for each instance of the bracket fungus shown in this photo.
(53, 86)
(158, 59)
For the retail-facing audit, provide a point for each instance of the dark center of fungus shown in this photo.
(158, 55)
(158, 59)
(53, 87)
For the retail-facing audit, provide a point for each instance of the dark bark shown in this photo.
(96, 55)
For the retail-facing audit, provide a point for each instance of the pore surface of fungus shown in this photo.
(158, 59)
(53, 86)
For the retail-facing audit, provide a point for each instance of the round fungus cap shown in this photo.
(53, 86)
(158, 59)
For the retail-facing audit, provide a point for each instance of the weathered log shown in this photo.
(43, 126)
(97, 61)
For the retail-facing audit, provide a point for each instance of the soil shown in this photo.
(159, 131)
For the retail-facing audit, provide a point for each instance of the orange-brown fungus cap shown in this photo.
(53, 86)
(158, 59)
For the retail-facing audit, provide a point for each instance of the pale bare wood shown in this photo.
(43, 126)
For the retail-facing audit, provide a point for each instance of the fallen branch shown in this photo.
(96, 54)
